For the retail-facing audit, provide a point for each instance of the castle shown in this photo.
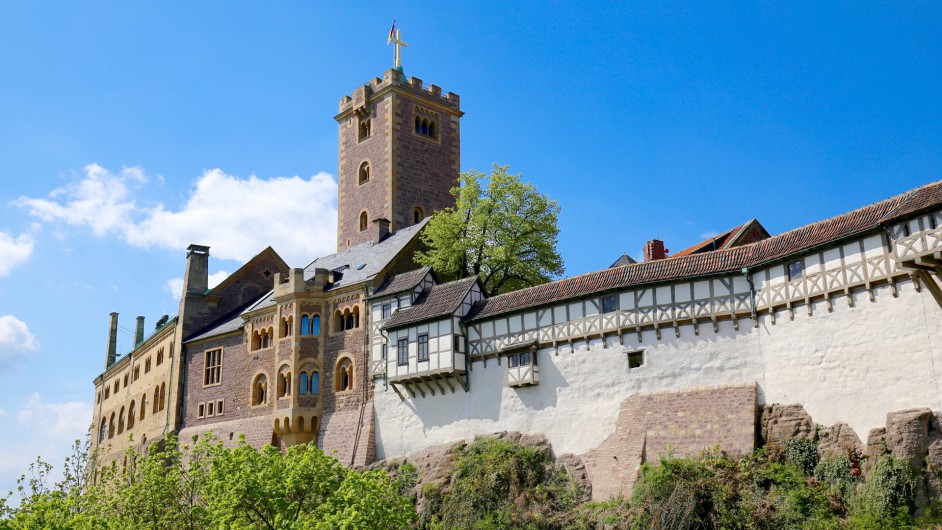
(373, 357)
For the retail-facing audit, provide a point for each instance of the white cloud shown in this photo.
(709, 235)
(236, 217)
(64, 421)
(16, 341)
(100, 201)
(14, 251)
(174, 286)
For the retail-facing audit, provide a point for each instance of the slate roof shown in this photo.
(439, 301)
(356, 264)
(866, 219)
(228, 324)
(404, 281)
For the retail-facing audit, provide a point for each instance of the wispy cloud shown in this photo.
(709, 235)
(174, 286)
(65, 421)
(236, 217)
(16, 342)
(14, 251)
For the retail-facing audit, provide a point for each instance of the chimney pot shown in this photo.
(112, 341)
(139, 331)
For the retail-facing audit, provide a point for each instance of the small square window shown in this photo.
(201, 410)
(524, 358)
(795, 270)
(635, 359)
(609, 303)
(513, 360)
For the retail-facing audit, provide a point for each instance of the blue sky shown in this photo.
(129, 131)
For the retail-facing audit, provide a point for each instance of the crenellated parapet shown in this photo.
(395, 80)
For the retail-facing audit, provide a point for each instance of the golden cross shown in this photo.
(395, 37)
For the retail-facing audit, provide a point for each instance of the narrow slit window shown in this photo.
(423, 347)
(402, 352)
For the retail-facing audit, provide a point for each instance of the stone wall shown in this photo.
(681, 423)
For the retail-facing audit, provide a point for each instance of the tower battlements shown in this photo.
(394, 78)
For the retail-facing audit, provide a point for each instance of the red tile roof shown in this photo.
(866, 219)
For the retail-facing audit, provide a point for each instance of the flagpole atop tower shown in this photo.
(395, 36)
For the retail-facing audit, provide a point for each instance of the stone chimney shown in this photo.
(380, 230)
(112, 341)
(654, 250)
(139, 331)
(321, 278)
(197, 270)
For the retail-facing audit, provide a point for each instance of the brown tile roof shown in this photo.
(755, 254)
(401, 282)
(439, 301)
(717, 242)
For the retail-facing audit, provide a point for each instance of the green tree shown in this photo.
(505, 233)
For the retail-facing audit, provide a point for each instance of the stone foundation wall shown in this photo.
(681, 423)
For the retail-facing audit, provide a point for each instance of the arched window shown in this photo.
(305, 323)
(315, 383)
(431, 129)
(107, 392)
(348, 319)
(338, 321)
(417, 214)
(256, 340)
(364, 130)
(103, 430)
(160, 356)
(343, 379)
(156, 401)
(286, 327)
(143, 406)
(131, 416)
(121, 421)
(111, 426)
(356, 316)
(163, 395)
(316, 325)
(137, 373)
(284, 383)
(303, 384)
(363, 175)
(364, 221)
(259, 389)
(418, 125)
(425, 127)
(147, 365)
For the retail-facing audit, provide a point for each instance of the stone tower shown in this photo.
(399, 155)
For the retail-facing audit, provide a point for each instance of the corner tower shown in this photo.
(399, 155)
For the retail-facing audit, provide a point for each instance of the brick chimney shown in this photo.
(654, 250)
(380, 230)
(112, 341)
(139, 332)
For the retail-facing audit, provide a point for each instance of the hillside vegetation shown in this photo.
(490, 483)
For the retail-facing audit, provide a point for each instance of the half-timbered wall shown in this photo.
(847, 330)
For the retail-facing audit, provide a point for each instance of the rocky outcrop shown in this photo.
(838, 440)
(784, 422)
(433, 465)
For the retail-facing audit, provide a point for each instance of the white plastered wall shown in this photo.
(854, 364)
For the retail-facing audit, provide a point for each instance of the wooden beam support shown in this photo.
(932, 286)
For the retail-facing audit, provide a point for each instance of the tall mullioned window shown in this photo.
(212, 368)
(402, 351)
(423, 347)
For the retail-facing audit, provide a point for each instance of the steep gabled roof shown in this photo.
(793, 242)
(748, 232)
(439, 301)
(404, 281)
